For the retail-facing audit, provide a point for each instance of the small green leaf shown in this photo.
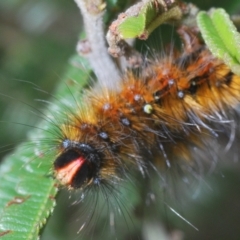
(151, 15)
(227, 31)
(221, 36)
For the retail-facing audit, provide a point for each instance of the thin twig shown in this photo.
(102, 64)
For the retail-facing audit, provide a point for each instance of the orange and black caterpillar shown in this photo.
(152, 120)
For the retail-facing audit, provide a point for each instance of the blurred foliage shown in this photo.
(36, 40)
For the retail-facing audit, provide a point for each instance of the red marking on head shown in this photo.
(66, 173)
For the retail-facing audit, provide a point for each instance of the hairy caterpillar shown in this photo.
(164, 119)
(154, 118)
(208, 132)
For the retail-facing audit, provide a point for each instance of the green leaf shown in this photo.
(151, 15)
(227, 31)
(221, 36)
(27, 189)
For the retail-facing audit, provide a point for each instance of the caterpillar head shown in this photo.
(78, 165)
